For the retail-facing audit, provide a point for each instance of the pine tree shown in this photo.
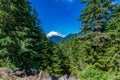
(40, 42)
(94, 50)
(100, 16)
(22, 39)
(113, 28)
(22, 29)
(51, 61)
(7, 43)
(95, 16)
(71, 59)
(114, 22)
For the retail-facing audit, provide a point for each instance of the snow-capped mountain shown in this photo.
(53, 33)
(56, 36)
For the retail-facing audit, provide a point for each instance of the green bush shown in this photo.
(113, 75)
(93, 74)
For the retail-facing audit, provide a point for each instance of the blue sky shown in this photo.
(59, 15)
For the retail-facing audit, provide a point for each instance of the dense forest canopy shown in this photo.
(94, 54)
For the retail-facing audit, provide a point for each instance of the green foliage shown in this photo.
(114, 22)
(6, 41)
(22, 40)
(95, 15)
(70, 56)
(95, 55)
(98, 46)
(51, 61)
(113, 75)
(93, 74)
(93, 49)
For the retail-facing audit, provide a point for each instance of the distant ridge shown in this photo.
(69, 36)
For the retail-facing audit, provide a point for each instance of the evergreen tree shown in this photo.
(71, 59)
(22, 39)
(114, 22)
(53, 59)
(113, 28)
(7, 43)
(40, 42)
(94, 49)
(23, 29)
(95, 15)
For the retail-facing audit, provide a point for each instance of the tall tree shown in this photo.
(52, 61)
(71, 59)
(95, 15)
(21, 37)
(23, 29)
(7, 22)
(114, 22)
(113, 28)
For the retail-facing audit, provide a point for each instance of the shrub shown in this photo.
(93, 74)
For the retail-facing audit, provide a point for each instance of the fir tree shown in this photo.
(53, 59)
(94, 16)
(21, 37)
(113, 28)
(7, 43)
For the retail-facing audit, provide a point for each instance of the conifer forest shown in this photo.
(94, 54)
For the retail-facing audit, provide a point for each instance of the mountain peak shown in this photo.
(53, 33)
